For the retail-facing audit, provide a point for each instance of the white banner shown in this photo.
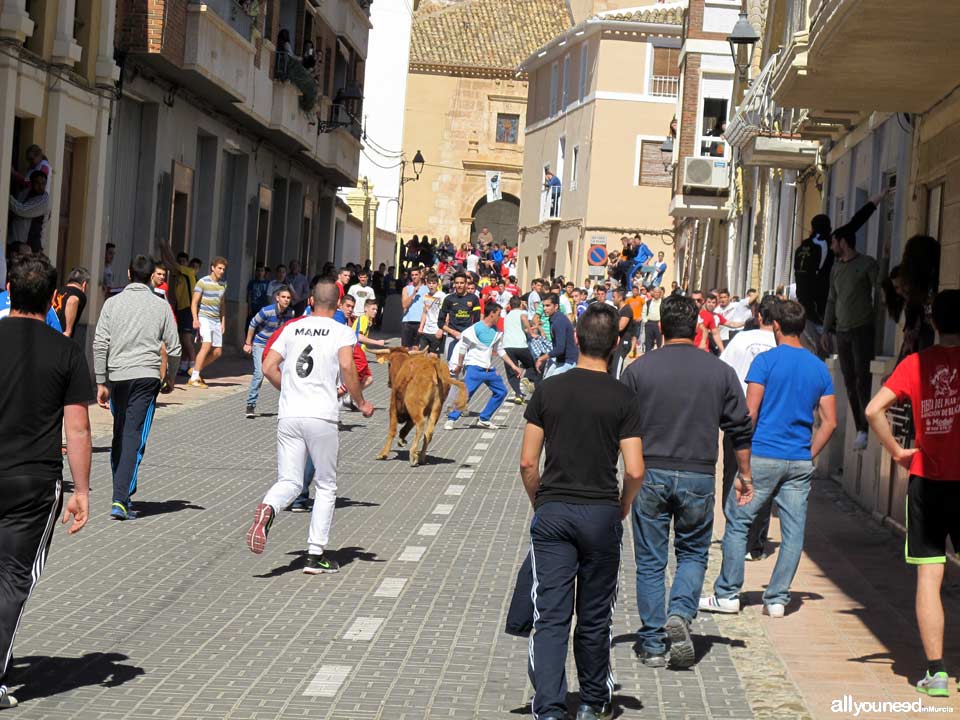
(493, 186)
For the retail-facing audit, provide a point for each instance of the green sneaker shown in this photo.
(317, 564)
(935, 685)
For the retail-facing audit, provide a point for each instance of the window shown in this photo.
(713, 126)
(651, 165)
(934, 210)
(582, 90)
(664, 78)
(554, 87)
(507, 125)
(564, 99)
(561, 157)
(574, 167)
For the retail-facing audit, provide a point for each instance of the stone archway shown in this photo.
(502, 217)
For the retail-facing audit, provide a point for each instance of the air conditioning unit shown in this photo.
(705, 172)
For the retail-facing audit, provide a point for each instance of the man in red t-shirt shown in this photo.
(708, 322)
(930, 380)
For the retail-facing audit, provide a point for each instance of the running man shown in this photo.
(261, 327)
(475, 352)
(208, 309)
(320, 354)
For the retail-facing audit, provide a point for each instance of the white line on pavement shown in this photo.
(412, 553)
(464, 474)
(429, 529)
(481, 446)
(363, 628)
(390, 587)
(455, 490)
(488, 435)
(328, 680)
(473, 460)
(443, 509)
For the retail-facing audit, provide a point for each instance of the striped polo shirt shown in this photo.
(265, 323)
(211, 295)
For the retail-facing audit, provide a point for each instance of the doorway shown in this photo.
(180, 208)
(501, 217)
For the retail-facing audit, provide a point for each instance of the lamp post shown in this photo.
(742, 39)
(346, 99)
(666, 153)
(418, 163)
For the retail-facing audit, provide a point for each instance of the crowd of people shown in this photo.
(598, 367)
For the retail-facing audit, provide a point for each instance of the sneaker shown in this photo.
(595, 712)
(754, 557)
(119, 512)
(527, 386)
(682, 654)
(251, 412)
(517, 400)
(650, 659)
(449, 424)
(935, 685)
(257, 534)
(774, 610)
(720, 605)
(301, 506)
(198, 383)
(486, 424)
(6, 699)
(317, 564)
(860, 442)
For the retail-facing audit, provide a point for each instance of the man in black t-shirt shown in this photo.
(625, 329)
(70, 302)
(44, 386)
(460, 310)
(586, 419)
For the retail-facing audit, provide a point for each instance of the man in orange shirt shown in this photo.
(635, 302)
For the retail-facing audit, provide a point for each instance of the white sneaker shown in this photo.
(6, 699)
(486, 424)
(714, 604)
(774, 610)
(448, 425)
(860, 443)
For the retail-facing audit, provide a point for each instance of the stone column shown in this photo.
(15, 22)
(65, 48)
(106, 70)
(8, 106)
(53, 142)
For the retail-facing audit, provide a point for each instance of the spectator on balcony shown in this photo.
(552, 184)
(309, 59)
(36, 161)
(29, 209)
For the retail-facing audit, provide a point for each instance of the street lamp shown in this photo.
(418, 163)
(742, 39)
(666, 153)
(344, 105)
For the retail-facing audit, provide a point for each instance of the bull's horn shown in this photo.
(378, 353)
(417, 351)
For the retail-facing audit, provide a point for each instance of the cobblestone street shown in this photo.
(171, 616)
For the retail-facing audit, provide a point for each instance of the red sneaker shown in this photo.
(257, 534)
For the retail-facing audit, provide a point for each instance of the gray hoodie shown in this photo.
(129, 332)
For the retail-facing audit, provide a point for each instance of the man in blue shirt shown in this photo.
(564, 354)
(784, 388)
(411, 300)
(553, 185)
(261, 327)
(52, 319)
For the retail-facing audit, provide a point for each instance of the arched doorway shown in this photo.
(501, 217)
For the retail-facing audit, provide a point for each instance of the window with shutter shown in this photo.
(665, 72)
(651, 165)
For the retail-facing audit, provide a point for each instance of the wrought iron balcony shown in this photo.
(234, 14)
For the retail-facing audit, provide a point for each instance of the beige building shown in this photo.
(57, 77)
(600, 130)
(466, 108)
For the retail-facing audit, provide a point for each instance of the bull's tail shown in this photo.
(443, 375)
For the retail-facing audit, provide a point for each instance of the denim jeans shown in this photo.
(552, 368)
(686, 498)
(257, 380)
(473, 378)
(787, 483)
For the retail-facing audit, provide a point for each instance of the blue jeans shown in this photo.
(257, 380)
(686, 498)
(473, 378)
(553, 368)
(787, 483)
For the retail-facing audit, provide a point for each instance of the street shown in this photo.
(171, 616)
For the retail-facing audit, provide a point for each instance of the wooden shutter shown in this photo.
(651, 165)
(666, 62)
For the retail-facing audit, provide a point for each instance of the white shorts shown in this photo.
(211, 332)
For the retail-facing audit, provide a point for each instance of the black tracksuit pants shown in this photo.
(28, 512)
(575, 555)
(133, 403)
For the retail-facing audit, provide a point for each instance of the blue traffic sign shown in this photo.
(597, 255)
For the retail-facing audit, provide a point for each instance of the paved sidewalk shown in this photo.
(171, 616)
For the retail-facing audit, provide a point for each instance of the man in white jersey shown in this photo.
(316, 353)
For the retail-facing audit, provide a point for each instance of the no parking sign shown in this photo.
(597, 255)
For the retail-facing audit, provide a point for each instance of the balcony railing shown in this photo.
(664, 86)
(233, 14)
(550, 204)
(758, 114)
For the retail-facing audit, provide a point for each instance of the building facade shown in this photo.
(227, 140)
(466, 108)
(600, 131)
(57, 76)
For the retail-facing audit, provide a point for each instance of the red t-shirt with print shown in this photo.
(707, 322)
(930, 380)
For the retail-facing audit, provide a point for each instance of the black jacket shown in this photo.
(686, 395)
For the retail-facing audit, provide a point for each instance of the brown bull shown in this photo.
(419, 387)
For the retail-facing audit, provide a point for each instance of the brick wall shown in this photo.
(152, 26)
(690, 105)
(695, 23)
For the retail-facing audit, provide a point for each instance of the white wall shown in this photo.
(385, 92)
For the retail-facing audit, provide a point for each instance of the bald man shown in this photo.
(306, 360)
